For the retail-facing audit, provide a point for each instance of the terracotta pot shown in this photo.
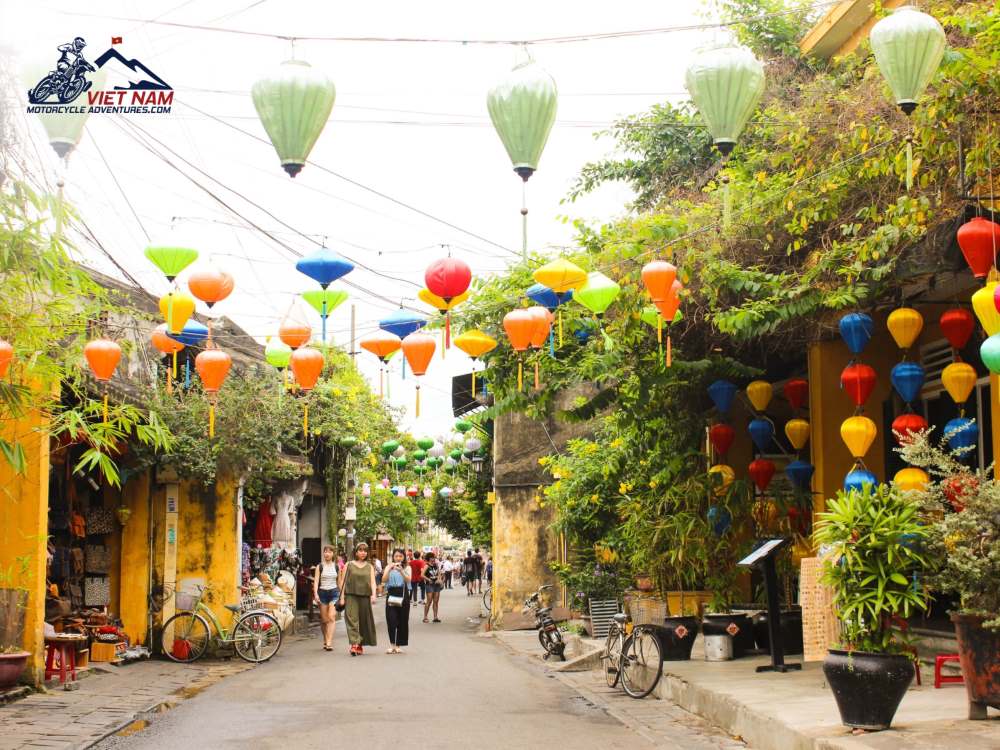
(11, 667)
(979, 653)
(644, 583)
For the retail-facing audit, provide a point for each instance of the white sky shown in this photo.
(458, 172)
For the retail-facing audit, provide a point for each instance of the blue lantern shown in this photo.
(583, 330)
(961, 432)
(908, 379)
(192, 334)
(800, 473)
(324, 266)
(856, 479)
(720, 518)
(722, 393)
(856, 330)
(761, 432)
(546, 297)
(402, 322)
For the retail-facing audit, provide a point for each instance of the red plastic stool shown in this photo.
(65, 646)
(939, 679)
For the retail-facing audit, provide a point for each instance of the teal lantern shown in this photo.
(908, 47)
(523, 107)
(597, 293)
(293, 103)
(725, 84)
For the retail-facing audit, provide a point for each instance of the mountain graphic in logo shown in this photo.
(138, 75)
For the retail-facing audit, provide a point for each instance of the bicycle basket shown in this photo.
(646, 610)
(185, 600)
(249, 603)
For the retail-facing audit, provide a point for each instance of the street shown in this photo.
(452, 689)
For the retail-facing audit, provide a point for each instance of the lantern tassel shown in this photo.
(473, 381)
(659, 335)
(560, 330)
(447, 332)
(105, 405)
(305, 421)
(175, 363)
(909, 163)
(552, 343)
(418, 401)
(520, 376)
(211, 420)
(670, 362)
(381, 381)
(537, 381)
(170, 381)
(323, 316)
(726, 202)
(170, 313)
(187, 374)
(524, 221)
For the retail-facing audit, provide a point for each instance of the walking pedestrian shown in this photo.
(378, 577)
(469, 573)
(448, 567)
(489, 571)
(397, 601)
(357, 595)
(480, 567)
(432, 582)
(325, 593)
(417, 580)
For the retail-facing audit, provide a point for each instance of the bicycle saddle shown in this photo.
(621, 618)
(544, 611)
(233, 607)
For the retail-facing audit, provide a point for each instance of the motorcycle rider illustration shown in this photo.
(70, 53)
(67, 81)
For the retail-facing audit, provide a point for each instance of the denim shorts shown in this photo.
(328, 596)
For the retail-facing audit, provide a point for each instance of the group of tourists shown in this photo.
(409, 578)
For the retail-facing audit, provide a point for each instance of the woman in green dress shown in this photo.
(357, 594)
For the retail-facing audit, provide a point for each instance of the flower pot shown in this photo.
(791, 631)
(979, 653)
(677, 636)
(644, 582)
(868, 687)
(736, 626)
(11, 667)
(718, 647)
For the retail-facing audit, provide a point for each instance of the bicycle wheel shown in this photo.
(185, 637)
(641, 662)
(552, 642)
(488, 599)
(612, 656)
(256, 637)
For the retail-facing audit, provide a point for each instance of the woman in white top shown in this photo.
(325, 593)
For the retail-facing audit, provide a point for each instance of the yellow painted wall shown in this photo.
(134, 559)
(24, 508)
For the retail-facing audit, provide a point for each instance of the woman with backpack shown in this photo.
(326, 593)
(397, 576)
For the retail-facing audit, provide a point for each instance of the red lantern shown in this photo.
(659, 277)
(980, 241)
(957, 487)
(721, 436)
(905, 425)
(447, 278)
(796, 392)
(6, 355)
(761, 470)
(957, 326)
(412, 491)
(210, 285)
(858, 380)
(307, 365)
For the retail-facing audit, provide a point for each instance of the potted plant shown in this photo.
(873, 564)
(592, 585)
(13, 601)
(962, 512)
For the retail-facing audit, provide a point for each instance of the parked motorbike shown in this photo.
(548, 632)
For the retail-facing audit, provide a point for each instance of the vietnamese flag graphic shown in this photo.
(116, 40)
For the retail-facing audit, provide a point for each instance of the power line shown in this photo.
(118, 185)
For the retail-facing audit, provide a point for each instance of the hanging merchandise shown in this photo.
(760, 392)
(418, 348)
(213, 367)
(475, 344)
(306, 364)
(103, 356)
(957, 325)
(210, 285)
(797, 432)
(959, 378)
(177, 308)
(962, 434)
(539, 334)
(761, 471)
(906, 425)
(293, 102)
(721, 436)
(522, 108)
(796, 391)
(383, 345)
(520, 327)
(907, 378)
(989, 351)
(911, 479)
(985, 308)
(725, 84)
(448, 278)
(722, 393)
(325, 301)
(6, 357)
(762, 433)
(562, 277)
(859, 381)
(979, 239)
(858, 434)
(905, 325)
(858, 479)
(169, 347)
(800, 473)
(908, 47)
(856, 331)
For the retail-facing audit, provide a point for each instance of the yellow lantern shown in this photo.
(759, 392)
(986, 309)
(726, 477)
(911, 478)
(428, 297)
(959, 378)
(858, 433)
(797, 432)
(176, 307)
(905, 325)
(560, 275)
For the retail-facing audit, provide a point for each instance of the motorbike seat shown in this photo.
(544, 611)
(621, 618)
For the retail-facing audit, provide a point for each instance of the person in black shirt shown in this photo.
(433, 575)
(469, 573)
(480, 567)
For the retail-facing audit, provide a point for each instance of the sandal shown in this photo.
(426, 620)
(436, 620)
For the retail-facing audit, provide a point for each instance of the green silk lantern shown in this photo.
(294, 103)
(425, 444)
(597, 293)
(64, 129)
(400, 462)
(419, 455)
(277, 353)
(171, 259)
(908, 47)
(463, 425)
(990, 353)
(523, 108)
(725, 84)
(324, 301)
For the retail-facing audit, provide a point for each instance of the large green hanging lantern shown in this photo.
(725, 84)
(171, 259)
(523, 108)
(908, 47)
(597, 293)
(64, 129)
(293, 103)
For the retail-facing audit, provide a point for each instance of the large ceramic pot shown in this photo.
(979, 653)
(737, 626)
(791, 631)
(11, 667)
(868, 687)
(677, 636)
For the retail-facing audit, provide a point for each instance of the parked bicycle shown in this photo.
(488, 598)
(632, 656)
(548, 632)
(186, 637)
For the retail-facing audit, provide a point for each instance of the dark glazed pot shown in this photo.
(737, 626)
(677, 636)
(868, 687)
(11, 667)
(979, 653)
(791, 631)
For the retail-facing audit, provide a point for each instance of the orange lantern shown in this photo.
(520, 327)
(383, 345)
(668, 311)
(213, 367)
(103, 356)
(418, 348)
(543, 327)
(166, 345)
(294, 334)
(659, 277)
(307, 365)
(6, 355)
(210, 285)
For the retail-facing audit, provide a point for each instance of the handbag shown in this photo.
(394, 599)
(340, 605)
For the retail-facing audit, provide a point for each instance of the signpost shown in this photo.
(763, 557)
